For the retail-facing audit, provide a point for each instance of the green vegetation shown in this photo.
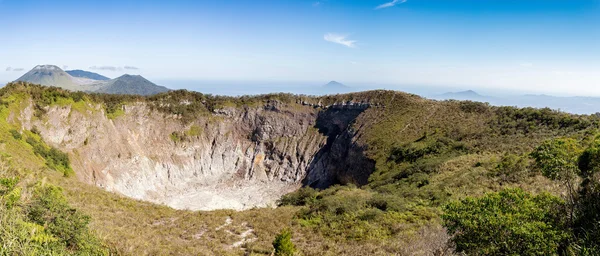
(514, 222)
(501, 180)
(194, 131)
(177, 137)
(17, 135)
(510, 222)
(37, 220)
(55, 159)
(283, 245)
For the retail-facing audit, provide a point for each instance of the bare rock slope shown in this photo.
(233, 158)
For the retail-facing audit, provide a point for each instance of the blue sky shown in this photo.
(550, 46)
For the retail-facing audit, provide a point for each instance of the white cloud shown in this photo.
(340, 39)
(390, 4)
(316, 4)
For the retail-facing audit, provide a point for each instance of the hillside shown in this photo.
(385, 164)
(128, 84)
(86, 74)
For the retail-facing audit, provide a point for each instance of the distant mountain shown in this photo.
(465, 95)
(335, 85)
(130, 84)
(576, 105)
(468, 93)
(51, 75)
(86, 74)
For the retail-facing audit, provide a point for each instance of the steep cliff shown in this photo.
(235, 157)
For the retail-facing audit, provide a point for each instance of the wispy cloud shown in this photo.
(8, 69)
(390, 4)
(107, 68)
(340, 39)
(113, 68)
(319, 3)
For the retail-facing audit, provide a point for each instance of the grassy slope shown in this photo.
(474, 138)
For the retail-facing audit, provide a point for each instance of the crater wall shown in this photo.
(233, 158)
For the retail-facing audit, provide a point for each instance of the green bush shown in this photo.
(512, 168)
(589, 160)
(557, 158)
(283, 245)
(55, 158)
(49, 208)
(44, 224)
(303, 196)
(510, 222)
(16, 135)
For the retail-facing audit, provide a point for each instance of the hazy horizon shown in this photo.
(244, 87)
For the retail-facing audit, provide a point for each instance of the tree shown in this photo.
(589, 160)
(558, 159)
(587, 219)
(510, 222)
(283, 243)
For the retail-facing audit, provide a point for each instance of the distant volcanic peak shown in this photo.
(133, 78)
(49, 75)
(130, 76)
(47, 67)
(131, 84)
(467, 92)
(335, 84)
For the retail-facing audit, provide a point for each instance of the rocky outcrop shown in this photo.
(233, 158)
(342, 159)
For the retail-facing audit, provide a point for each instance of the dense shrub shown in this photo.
(426, 147)
(511, 120)
(283, 245)
(511, 168)
(557, 159)
(510, 222)
(474, 107)
(49, 208)
(304, 196)
(42, 223)
(16, 135)
(55, 158)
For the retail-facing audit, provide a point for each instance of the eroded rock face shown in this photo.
(234, 158)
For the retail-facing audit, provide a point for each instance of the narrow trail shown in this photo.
(228, 222)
